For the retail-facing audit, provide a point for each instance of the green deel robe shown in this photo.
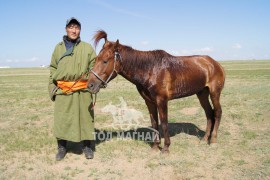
(73, 116)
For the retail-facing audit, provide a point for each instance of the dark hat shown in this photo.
(73, 20)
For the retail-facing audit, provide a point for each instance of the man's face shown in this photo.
(73, 31)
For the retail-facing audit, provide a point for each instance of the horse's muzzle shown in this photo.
(93, 88)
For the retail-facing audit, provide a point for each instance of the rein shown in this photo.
(105, 82)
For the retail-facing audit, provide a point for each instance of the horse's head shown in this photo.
(107, 63)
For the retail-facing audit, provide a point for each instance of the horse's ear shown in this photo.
(116, 45)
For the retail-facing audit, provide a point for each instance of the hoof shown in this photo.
(165, 151)
(213, 145)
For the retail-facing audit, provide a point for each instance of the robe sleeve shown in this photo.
(52, 86)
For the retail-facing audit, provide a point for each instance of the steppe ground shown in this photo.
(28, 147)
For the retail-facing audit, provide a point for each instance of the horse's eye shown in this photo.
(105, 61)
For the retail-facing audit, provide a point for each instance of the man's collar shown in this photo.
(77, 41)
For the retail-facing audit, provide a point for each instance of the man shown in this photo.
(73, 112)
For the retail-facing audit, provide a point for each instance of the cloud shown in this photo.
(237, 46)
(185, 52)
(144, 42)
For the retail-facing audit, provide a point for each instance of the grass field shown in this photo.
(28, 147)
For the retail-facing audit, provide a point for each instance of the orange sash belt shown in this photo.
(71, 86)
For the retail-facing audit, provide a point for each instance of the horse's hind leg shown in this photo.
(203, 96)
(215, 98)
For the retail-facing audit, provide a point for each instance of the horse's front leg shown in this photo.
(152, 108)
(154, 121)
(162, 106)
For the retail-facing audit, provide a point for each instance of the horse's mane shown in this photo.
(136, 59)
(100, 34)
(143, 59)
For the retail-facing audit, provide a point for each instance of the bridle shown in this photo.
(105, 82)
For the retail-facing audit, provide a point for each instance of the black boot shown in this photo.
(89, 154)
(62, 151)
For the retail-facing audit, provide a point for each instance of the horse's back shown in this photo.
(213, 71)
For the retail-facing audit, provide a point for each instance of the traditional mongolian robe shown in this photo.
(73, 113)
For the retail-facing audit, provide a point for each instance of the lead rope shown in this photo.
(94, 103)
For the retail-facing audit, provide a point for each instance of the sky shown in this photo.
(224, 30)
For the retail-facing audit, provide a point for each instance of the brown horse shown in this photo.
(160, 77)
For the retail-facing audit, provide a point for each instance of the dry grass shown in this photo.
(28, 147)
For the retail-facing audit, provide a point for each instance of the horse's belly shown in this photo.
(189, 87)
